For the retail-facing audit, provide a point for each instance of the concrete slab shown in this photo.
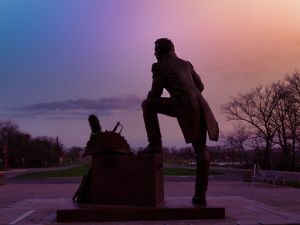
(174, 208)
(239, 211)
(244, 204)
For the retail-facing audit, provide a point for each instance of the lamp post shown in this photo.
(5, 155)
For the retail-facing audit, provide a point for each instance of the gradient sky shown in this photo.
(63, 59)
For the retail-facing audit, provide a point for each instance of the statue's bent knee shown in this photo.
(146, 105)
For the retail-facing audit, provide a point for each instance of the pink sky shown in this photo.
(62, 50)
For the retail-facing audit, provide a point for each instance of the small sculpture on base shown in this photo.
(107, 142)
(104, 143)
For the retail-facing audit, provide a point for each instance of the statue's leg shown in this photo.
(151, 107)
(202, 164)
(202, 169)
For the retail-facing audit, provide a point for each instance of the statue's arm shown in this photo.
(197, 79)
(157, 83)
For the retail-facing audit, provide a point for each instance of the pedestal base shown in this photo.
(135, 180)
(175, 208)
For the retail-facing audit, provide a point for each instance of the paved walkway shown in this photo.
(23, 202)
(14, 172)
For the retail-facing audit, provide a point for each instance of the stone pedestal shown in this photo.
(174, 208)
(130, 188)
(127, 180)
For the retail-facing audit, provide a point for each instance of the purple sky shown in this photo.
(63, 59)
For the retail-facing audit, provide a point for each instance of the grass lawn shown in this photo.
(293, 183)
(177, 171)
(81, 170)
(72, 172)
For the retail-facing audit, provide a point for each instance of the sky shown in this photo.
(61, 60)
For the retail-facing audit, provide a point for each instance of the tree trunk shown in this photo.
(267, 155)
(293, 150)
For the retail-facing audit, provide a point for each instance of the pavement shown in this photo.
(35, 201)
(14, 172)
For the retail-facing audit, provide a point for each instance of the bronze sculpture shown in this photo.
(107, 142)
(186, 103)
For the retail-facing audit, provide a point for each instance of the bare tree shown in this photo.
(293, 100)
(294, 83)
(74, 154)
(256, 108)
(237, 138)
(284, 119)
(7, 129)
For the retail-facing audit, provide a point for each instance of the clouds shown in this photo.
(78, 108)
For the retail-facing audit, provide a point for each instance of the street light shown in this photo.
(5, 155)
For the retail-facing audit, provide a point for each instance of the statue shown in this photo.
(186, 103)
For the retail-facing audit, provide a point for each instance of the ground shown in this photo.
(28, 201)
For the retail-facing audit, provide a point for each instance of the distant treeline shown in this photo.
(226, 156)
(268, 118)
(20, 149)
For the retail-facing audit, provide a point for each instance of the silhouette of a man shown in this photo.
(186, 103)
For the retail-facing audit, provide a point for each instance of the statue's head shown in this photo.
(163, 46)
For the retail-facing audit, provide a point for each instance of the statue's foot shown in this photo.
(199, 200)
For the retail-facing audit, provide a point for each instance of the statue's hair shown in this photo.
(164, 45)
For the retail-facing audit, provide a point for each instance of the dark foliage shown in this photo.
(25, 151)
